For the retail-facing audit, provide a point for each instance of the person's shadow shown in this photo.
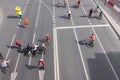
(30, 67)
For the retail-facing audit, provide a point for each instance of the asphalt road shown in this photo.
(66, 58)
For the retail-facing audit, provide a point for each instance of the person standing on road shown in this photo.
(90, 13)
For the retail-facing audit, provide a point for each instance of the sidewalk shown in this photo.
(110, 18)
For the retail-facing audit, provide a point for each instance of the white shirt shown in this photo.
(4, 63)
(35, 47)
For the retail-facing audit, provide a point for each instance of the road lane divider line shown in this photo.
(110, 64)
(30, 56)
(54, 43)
(84, 26)
(10, 48)
(57, 59)
(14, 74)
(17, 62)
(80, 52)
(38, 13)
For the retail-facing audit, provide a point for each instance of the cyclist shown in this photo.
(64, 3)
(18, 43)
(43, 47)
(69, 14)
(78, 3)
(92, 38)
(26, 22)
(41, 64)
(47, 37)
(35, 48)
(5, 65)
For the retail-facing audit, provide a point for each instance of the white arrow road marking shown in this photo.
(14, 74)
(41, 74)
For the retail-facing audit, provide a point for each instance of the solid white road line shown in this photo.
(57, 59)
(17, 62)
(10, 48)
(54, 43)
(86, 74)
(117, 78)
(83, 26)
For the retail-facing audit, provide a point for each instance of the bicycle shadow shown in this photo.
(12, 47)
(30, 67)
(75, 6)
(64, 17)
(42, 40)
(22, 26)
(83, 42)
(12, 17)
(86, 42)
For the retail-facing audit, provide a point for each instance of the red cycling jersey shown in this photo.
(41, 63)
(92, 37)
(17, 42)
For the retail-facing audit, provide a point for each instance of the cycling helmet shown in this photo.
(41, 59)
(48, 34)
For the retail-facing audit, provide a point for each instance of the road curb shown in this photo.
(112, 23)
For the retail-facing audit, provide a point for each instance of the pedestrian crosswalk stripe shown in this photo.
(82, 26)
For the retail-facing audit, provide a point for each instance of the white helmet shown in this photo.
(41, 59)
(48, 34)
